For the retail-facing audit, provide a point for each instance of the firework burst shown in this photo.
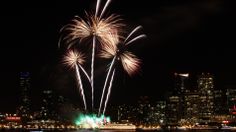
(96, 28)
(80, 29)
(106, 33)
(129, 61)
(74, 59)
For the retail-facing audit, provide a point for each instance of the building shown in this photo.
(48, 105)
(192, 107)
(181, 82)
(181, 85)
(127, 114)
(24, 108)
(231, 102)
(160, 112)
(219, 103)
(206, 96)
(172, 110)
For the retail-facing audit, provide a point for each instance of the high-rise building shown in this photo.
(192, 106)
(51, 103)
(24, 108)
(48, 105)
(181, 86)
(160, 112)
(206, 96)
(172, 110)
(231, 101)
(143, 109)
(219, 102)
(181, 82)
(126, 113)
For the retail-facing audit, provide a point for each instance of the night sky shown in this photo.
(183, 36)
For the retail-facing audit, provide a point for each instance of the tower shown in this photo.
(206, 95)
(23, 109)
(231, 102)
(181, 82)
(181, 87)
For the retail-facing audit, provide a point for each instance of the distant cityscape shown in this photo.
(184, 106)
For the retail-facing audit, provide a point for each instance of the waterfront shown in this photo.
(198, 130)
(172, 129)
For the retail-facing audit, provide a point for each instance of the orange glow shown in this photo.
(13, 118)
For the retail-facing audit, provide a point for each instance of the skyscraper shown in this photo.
(181, 86)
(181, 82)
(51, 103)
(206, 95)
(172, 110)
(192, 106)
(23, 109)
(219, 102)
(231, 101)
(48, 105)
(160, 109)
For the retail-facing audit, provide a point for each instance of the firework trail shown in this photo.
(109, 91)
(97, 7)
(105, 85)
(104, 8)
(92, 70)
(136, 38)
(95, 28)
(73, 59)
(129, 61)
(85, 73)
(78, 77)
(105, 32)
(132, 32)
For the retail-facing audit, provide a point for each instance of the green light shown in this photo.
(91, 121)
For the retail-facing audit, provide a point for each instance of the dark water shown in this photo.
(140, 131)
(149, 131)
(119, 131)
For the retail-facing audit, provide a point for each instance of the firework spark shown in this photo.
(109, 91)
(105, 33)
(79, 29)
(78, 77)
(97, 7)
(105, 84)
(129, 61)
(73, 59)
(91, 121)
(104, 8)
(99, 29)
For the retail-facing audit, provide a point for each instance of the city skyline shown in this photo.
(191, 37)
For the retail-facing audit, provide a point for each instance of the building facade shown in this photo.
(206, 96)
(24, 108)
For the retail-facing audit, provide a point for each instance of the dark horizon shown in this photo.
(183, 36)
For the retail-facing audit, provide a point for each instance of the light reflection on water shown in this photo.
(213, 130)
(144, 131)
(104, 131)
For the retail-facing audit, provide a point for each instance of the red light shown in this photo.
(225, 122)
(13, 118)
